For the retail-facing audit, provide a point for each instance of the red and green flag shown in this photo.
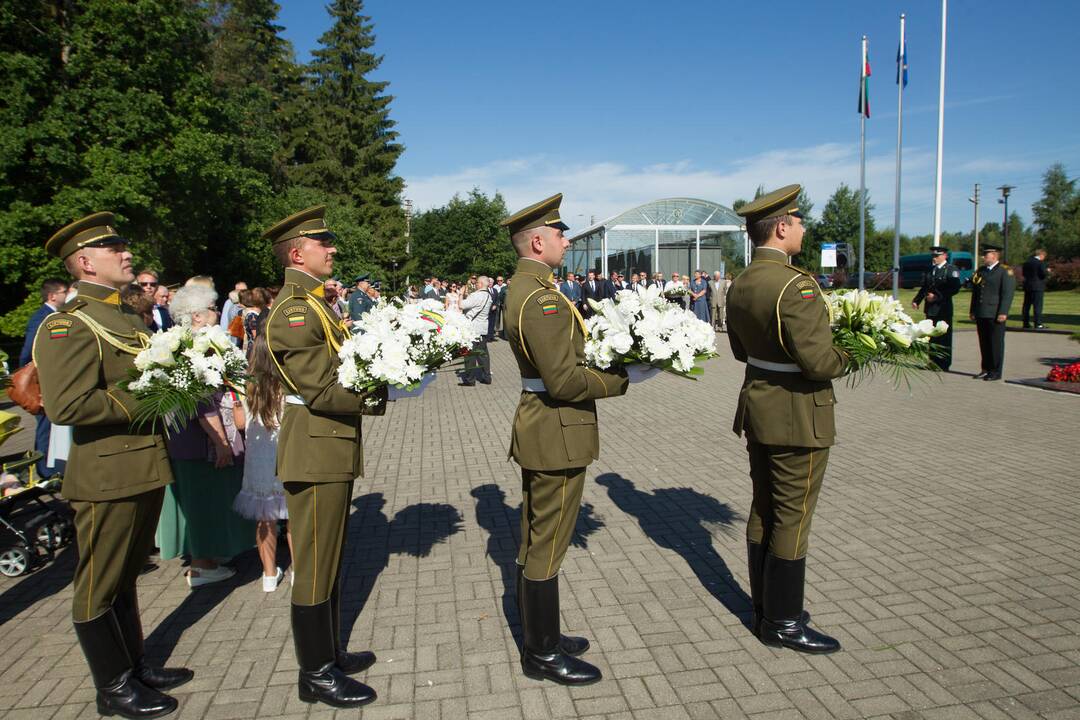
(864, 82)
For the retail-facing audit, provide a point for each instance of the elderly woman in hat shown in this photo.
(197, 518)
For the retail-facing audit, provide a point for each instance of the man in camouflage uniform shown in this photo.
(554, 434)
(778, 324)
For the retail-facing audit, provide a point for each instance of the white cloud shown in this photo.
(602, 189)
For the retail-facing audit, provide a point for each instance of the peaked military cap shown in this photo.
(784, 201)
(91, 231)
(361, 278)
(543, 213)
(989, 248)
(938, 250)
(306, 223)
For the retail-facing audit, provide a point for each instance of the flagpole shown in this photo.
(901, 64)
(940, 128)
(862, 175)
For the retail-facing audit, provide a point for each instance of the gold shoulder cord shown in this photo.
(521, 314)
(270, 347)
(104, 334)
(333, 345)
(779, 323)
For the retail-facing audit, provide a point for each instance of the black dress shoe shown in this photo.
(465, 383)
(162, 678)
(784, 623)
(991, 377)
(568, 644)
(980, 376)
(118, 691)
(1041, 327)
(542, 658)
(320, 680)
(351, 663)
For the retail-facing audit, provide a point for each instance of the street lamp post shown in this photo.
(1005, 190)
(407, 205)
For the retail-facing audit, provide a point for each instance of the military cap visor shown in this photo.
(542, 214)
(990, 249)
(94, 230)
(939, 251)
(777, 203)
(306, 223)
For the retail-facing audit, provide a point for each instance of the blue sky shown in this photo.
(616, 103)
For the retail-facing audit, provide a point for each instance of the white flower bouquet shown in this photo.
(877, 334)
(401, 345)
(676, 293)
(180, 369)
(643, 328)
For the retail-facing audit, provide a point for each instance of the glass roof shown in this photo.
(690, 212)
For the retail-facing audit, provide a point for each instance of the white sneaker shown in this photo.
(205, 576)
(271, 582)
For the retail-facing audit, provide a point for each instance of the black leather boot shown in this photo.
(784, 624)
(347, 662)
(126, 607)
(320, 680)
(755, 560)
(118, 691)
(541, 657)
(569, 644)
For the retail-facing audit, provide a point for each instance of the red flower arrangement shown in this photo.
(1065, 373)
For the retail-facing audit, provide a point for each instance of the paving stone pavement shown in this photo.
(945, 555)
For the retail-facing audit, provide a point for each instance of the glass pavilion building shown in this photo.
(671, 235)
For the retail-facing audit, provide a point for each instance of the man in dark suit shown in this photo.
(53, 295)
(572, 290)
(1034, 286)
(162, 317)
(612, 285)
(992, 289)
(939, 284)
(591, 289)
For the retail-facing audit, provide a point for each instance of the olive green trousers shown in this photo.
(318, 518)
(550, 501)
(114, 538)
(787, 481)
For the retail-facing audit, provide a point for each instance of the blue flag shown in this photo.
(901, 63)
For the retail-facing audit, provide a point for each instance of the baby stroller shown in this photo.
(31, 530)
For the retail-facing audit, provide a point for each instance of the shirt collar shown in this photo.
(765, 252)
(304, 279)
(99, 292)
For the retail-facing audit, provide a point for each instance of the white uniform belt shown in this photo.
(295, 400)
(774, 366)
(533, 385)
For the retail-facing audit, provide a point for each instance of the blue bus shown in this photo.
(912, 267)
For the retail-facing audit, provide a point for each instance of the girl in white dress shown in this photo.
(262, 497)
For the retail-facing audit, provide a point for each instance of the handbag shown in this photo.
(25, 389)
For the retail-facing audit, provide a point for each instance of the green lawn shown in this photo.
(1061, 309)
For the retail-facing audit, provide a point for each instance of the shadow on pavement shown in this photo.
(31, 589)
(373, 538)
(682, 520)
(199, 602)
(503, 525)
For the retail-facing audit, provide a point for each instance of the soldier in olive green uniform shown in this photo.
(116, 475)
(554, 435)
(778, 324)
(320, 454)
(992, 289)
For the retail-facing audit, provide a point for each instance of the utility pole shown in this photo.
(408, 226)
(975, 201)
(1005, 190)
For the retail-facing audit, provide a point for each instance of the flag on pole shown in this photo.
(864, 82)
(901, 63)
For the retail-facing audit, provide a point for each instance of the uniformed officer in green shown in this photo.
(778, 324)
(939, 284)
(992, 288)
(320, 454)
(116, 474)
(554, 435)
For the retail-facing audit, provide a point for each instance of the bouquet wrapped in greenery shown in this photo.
(180, 369)
(878, 335)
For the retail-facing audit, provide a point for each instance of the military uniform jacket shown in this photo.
(944, 281)
(82, 351)
(778, 314)
(319, 440)
(992, 291)
(556, 429)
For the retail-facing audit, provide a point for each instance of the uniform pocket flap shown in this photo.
(330, 426)
(824, 397)
(571, 416)
(123, 443)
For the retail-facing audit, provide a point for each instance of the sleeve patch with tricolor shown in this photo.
(806, 289)
(58, 329)
(549, 304)
(297, 316)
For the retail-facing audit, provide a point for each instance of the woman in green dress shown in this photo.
(207, 455)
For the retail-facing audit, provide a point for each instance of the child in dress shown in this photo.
(262, 497)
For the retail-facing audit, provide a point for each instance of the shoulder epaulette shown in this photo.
(71, 305)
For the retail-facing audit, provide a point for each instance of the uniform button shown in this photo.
(334, 432)
(125, 446)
